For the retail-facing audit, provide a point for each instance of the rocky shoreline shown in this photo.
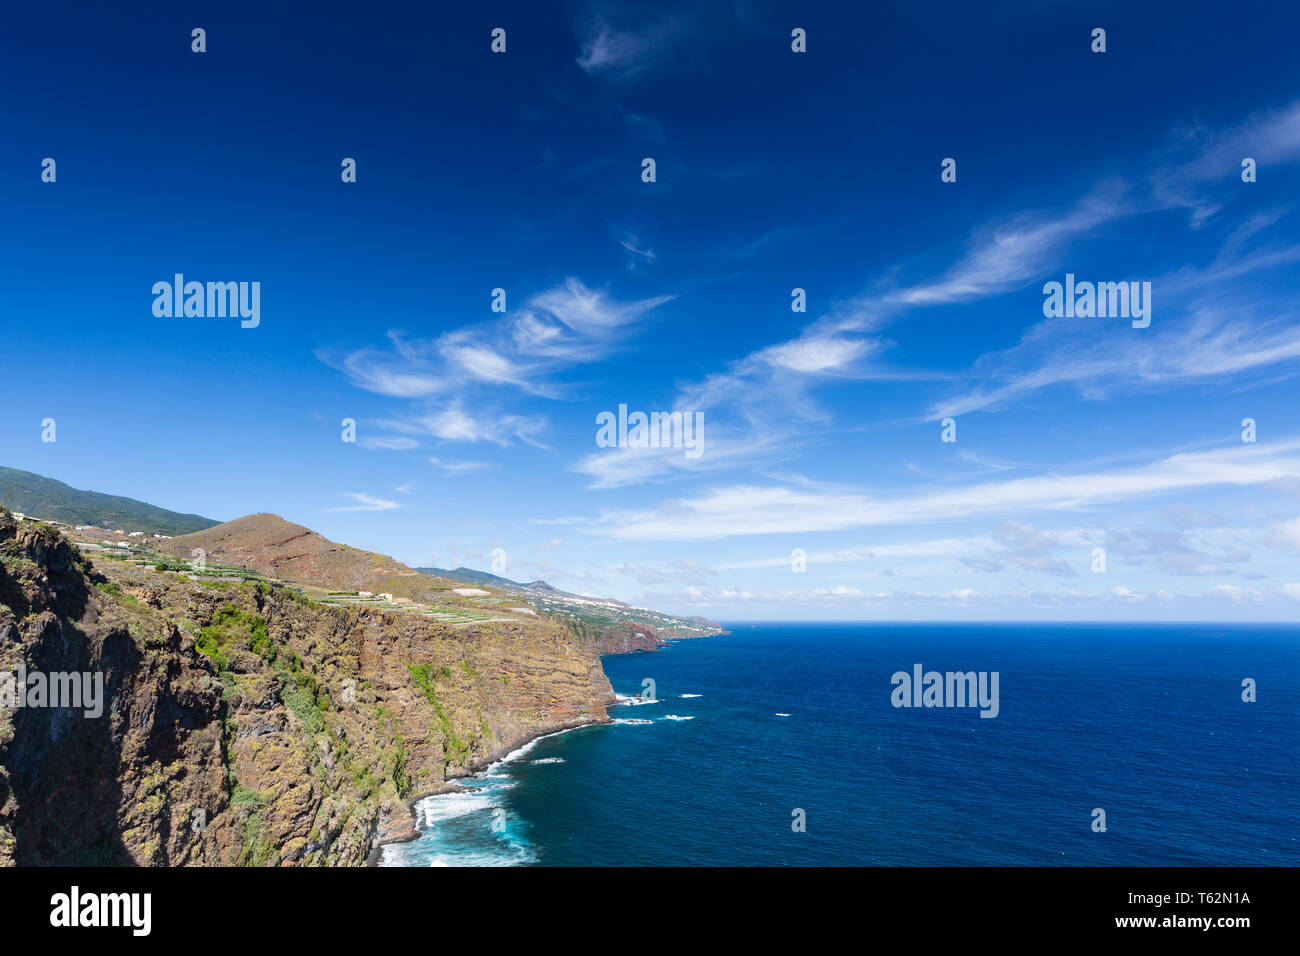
(413, 832)
(643, 644)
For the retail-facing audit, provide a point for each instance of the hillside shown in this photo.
(290, 552)
(28, 493)
(615, 626)
(470, 576)
(243, 723)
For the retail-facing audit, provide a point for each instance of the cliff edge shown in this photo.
(243, 722)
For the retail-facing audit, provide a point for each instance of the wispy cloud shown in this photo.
(622, 51)
(632, 245)
(743, 510)
(592, 313)
(619, 467)
(365, 502)
(1010, 255)
(1211, 344)
(1018, 545)
(1219, 334)
(390, 443)
(459, 467)
(1270, 137)
(560, 327)
(520, 353)
(839, 346)
(455, 423)
(993, 603)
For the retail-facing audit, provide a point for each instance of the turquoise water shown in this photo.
(1144, 722)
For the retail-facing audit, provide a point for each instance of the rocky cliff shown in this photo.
(245, 724)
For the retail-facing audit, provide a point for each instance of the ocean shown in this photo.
(753, 730)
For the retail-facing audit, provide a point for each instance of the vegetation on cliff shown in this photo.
(246, 723)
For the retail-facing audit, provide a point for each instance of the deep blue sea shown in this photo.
(1144, 722)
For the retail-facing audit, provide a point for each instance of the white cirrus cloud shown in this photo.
(622, 51)
(364, 502)
(740, 510)
(566, 325)
(476, 365)
(459, 467)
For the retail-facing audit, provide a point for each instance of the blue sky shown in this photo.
(775, 170)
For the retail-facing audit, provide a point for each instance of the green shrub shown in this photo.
(233, 625)
(245, 797)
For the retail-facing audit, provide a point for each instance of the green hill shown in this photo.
(41, 497)
(470, 576)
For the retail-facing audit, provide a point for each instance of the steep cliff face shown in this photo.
(615, 637)
(622, 639)
(244, 724)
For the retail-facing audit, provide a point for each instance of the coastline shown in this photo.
(508, 753)
(515, 749)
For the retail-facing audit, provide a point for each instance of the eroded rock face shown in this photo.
(244, 724)
(629, 640)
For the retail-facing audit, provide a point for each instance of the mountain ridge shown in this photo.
(30, 493)
(616, 626)
(270, 544)
(469, 575)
